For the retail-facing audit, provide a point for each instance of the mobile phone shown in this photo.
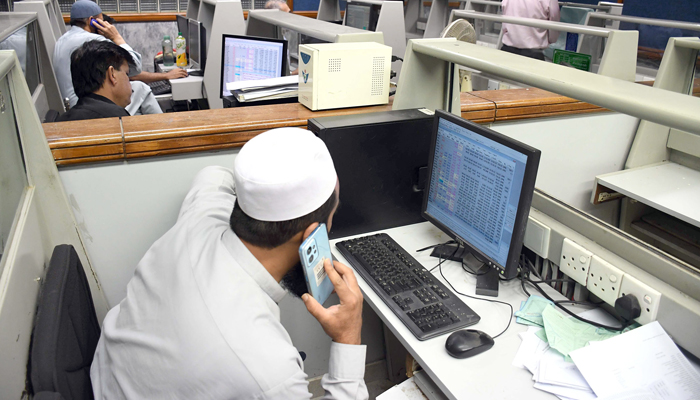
(312, 253)
(94, 23)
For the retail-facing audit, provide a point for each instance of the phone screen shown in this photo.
(312, 253)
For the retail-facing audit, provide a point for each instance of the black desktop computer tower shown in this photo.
(381, 160)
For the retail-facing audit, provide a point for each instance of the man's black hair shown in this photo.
(79, 22)
(269, 235)
(89, 64)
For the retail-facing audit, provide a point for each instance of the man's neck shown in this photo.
(105, 93)
(277, 261)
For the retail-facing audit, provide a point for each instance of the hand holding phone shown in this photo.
(312, 252)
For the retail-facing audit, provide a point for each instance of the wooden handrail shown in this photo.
(79, 142)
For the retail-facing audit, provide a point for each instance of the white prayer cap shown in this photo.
(283, 174)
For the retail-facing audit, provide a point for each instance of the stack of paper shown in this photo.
(265, 89)
(547, 343)
(643, 364)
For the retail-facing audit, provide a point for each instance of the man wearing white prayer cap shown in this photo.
(201, 318)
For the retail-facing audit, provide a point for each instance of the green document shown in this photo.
(530, 313)
(566, 334)
(572, 59)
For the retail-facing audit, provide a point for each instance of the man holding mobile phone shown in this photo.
(87, 23)
(201, 316)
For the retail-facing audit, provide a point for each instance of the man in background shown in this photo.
(100, 73)
(87, 24)
(524, 40)
(277, 5)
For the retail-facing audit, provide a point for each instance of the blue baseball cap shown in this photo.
(84, 9)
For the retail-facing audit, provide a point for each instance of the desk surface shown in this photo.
(489, 375)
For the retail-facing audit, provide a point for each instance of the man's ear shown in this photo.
(111, 75)
(309, 230)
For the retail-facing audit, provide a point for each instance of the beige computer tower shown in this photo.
(337, 75)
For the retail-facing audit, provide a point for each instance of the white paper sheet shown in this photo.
(284, 80)
(530, 350)
(554, 370)
(566, 392)
(644, 358)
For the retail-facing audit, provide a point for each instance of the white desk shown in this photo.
(489, 375)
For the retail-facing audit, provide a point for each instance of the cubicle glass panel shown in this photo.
(24, 43)
(13, 176)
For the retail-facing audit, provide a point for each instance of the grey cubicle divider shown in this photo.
(264, 23)
(328, 10)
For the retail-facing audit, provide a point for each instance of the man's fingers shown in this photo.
(313, 306)
(346, 273)
(337, 281)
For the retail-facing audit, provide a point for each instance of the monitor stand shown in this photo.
(486, 281)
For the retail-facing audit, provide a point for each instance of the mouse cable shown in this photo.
(523, 279)
(479, 298)
(442, 260)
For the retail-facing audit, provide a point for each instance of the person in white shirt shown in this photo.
(201, 318)
(525, 40)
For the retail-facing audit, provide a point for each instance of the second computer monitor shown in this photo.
(198, 44)
(362, 16)
(480, 189)
(246, 58)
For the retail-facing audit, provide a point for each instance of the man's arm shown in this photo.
(149, 77)
(109, 31)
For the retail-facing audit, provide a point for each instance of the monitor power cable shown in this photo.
(439, 266)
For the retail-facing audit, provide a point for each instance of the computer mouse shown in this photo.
(468, 343)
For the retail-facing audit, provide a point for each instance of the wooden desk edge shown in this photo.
(203, 132)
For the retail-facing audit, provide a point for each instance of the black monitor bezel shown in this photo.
(285, 44)
(202, 45)
(186, 34)
(510, 270)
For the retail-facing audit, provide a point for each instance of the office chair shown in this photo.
(66, 331)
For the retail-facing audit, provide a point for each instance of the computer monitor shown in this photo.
(198, 45)
(362, 16)
(183, 28)
(246, 58)
(480, 186)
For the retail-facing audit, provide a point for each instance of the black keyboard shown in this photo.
(160, 87)
(419, 299)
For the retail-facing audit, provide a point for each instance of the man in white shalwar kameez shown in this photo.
(201, 318)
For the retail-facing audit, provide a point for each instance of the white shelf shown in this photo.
(668, 187)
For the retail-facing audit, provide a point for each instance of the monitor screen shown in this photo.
(247, 58)
(197, 44)
(480, 188)
(184, 29)
(357, 16)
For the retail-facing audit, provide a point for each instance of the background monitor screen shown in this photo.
(184, 29)
(480, 187)
(246, 58)
(357, 16)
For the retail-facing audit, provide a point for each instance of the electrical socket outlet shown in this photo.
(648, 298)
(604, 280)
(574, 261)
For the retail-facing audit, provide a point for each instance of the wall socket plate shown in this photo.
(574, 261)
(604, 280)
(648, 298)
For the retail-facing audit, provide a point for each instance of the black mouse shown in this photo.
(467, 343)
